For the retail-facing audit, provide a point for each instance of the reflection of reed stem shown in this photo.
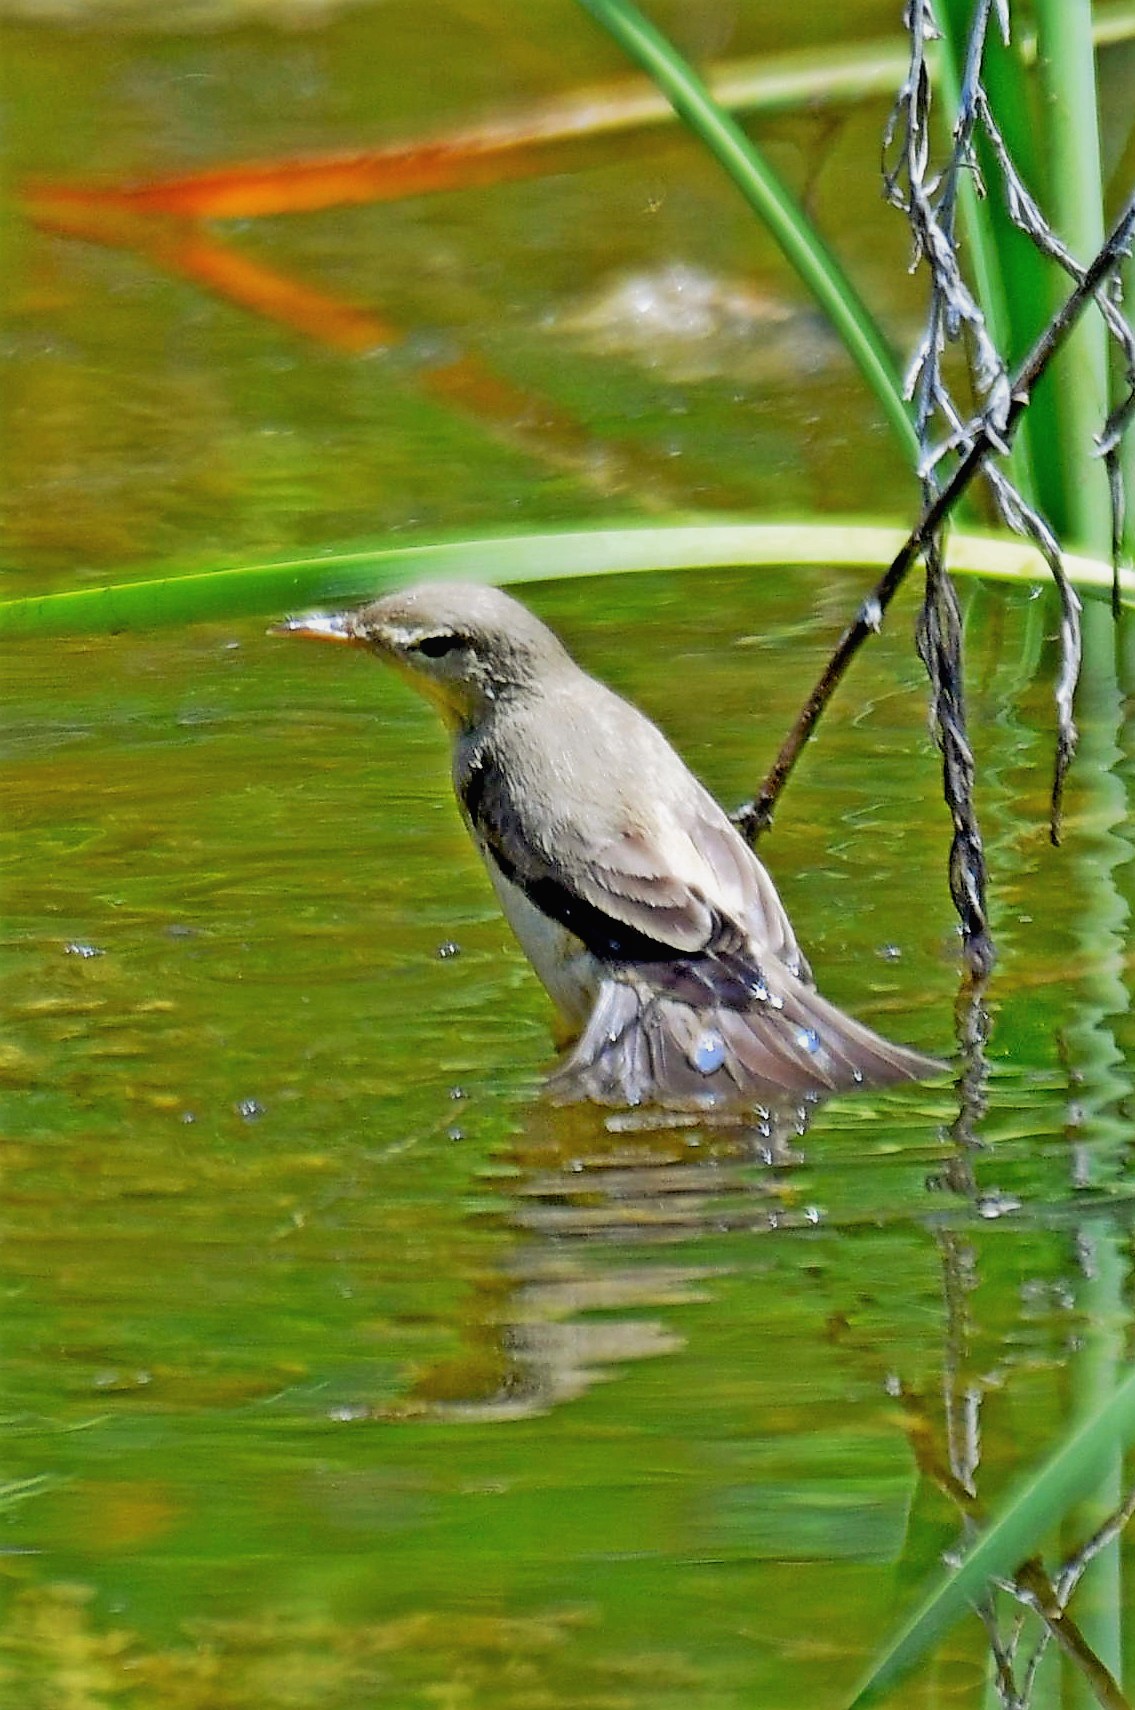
(1069, 1578)
(1097, 1157)
(1127, 450)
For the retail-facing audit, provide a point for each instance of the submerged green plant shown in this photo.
(1038, 1505)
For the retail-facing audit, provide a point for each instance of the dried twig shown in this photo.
(757, 814)
(928, 196)
(1070, 1576)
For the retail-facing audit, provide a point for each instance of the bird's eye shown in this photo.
(437, 646)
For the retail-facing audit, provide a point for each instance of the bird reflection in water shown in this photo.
(604, 1208)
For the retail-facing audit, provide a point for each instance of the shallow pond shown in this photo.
(339, 1369)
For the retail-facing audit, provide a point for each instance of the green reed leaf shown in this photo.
(1037, 1506)
(291, 584)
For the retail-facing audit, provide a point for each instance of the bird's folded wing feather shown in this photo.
(622, 892)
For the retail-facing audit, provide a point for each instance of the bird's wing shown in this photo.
(622, 891)
(746, 891)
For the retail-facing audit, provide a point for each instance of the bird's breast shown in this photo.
(566, 968)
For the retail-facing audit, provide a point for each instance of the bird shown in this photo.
(654, 927)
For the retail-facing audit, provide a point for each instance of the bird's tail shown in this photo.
(646, 1045)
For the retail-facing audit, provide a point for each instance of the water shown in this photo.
(339, 1369)
(331, 1336)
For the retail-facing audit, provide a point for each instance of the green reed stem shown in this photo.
(1066, 61)
(803, 247)
(682, 544)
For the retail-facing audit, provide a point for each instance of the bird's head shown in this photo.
(462, 645)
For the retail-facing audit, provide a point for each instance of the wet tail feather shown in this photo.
(648, 1045)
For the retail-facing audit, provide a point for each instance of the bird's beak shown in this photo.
(322, 626)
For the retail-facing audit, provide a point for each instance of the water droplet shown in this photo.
(448, 950)
(86, 951)
(997, 1204)
(249, 1108)
(871, 614)
(808, 1040)
(709, 1053)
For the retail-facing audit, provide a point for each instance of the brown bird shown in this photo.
(655, 929)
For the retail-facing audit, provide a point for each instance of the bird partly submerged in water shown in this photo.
(655, 929)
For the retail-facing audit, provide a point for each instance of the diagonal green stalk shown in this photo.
(1012, 1536)
(1098, 1060)
(816, 266)
(1079, 378)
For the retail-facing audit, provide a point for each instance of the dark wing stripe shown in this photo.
(486, 803)
(608, 939)
(720, 973)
